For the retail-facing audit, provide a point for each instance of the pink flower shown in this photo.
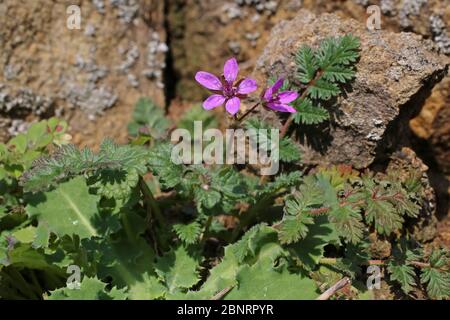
(226, 90)
(278, 101)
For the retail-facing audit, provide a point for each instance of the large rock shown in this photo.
(92, 76)
(395, 74)
(440, 139)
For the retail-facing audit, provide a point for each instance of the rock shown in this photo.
(92, 76)
(422, 125)
(440, 139)
(395, 74)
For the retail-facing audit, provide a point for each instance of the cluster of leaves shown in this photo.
(140, 226)
(323, 71)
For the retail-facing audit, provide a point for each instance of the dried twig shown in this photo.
(333, 289)
(219, 295)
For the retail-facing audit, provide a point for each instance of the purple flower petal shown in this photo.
(281, 107)
(277, 85)
(247, 86)
(208, 80)
(287, 96)
(213, 101)
(230, 70)
(233, 105)
(268, 94)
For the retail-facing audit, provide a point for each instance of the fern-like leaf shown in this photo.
(149, 117)
(436, 277)
(307, 113)
(306, 63)
(404, 274)
(289, 151)
(322, 89)
(68, 161)
(188, 233)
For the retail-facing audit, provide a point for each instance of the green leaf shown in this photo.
(348, 223)
(338, 51)
(245, 246)
(282, 182)
(383, 215)
(307, 113)
(148, 116)
(310, 249)
(306, 63)
(403, 274)
(90, 289)
(216, 191)
(22, 255)
(129, 260)
(42, 236)
(340, 74)
(25, 235)
(206, 197)
(322, 89)
(294, 227)
(116, 184)
(67, 210)
(188, 233)
(169, 173)
(208, 119)
(289, 151)
(178, 269)
(438, 283)
(68, 161)
(400, 266)
(222, 276)
(263, 282)
(436, 277)
(18, 144)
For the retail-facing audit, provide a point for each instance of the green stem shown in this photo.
(154, 213)
(248, 218)
(22, 284)
(150, 200)
(206, 230)
(37, 287)
(52, 281)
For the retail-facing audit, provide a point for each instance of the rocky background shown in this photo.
(126, 49)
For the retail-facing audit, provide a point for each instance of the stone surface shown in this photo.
(92, 76)
(440, 139)
(394, 75)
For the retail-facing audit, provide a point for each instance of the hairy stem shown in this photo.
(148, 196)
(206, 231)
(154, 213)
(248, 112)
